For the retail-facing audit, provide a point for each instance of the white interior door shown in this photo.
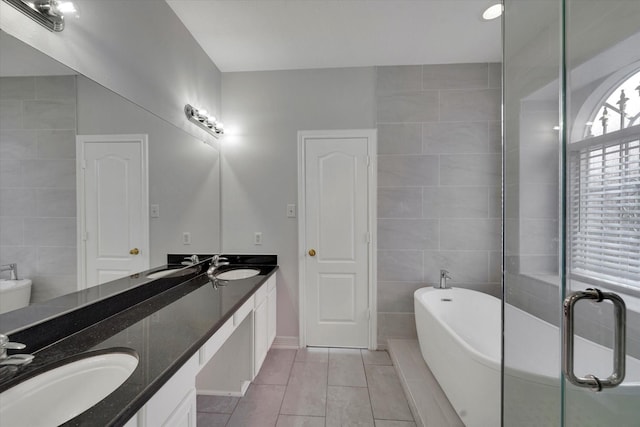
(336, 238)
(113, 228)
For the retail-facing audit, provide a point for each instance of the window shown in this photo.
(604, 190)
(620, 110)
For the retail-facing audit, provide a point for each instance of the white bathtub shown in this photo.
(459, 332)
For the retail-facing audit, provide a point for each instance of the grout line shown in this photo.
(286, 387)
(326, 389)
(366, 380)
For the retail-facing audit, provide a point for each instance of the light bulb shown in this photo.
(66, 7)
(492, 12)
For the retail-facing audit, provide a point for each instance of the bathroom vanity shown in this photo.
(187, 334)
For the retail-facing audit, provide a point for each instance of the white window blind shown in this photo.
(604, 194)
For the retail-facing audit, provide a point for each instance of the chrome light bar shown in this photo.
(45, 12)
(204, 121)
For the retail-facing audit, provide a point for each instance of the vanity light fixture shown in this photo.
(492, 12)
(201, 118)
(48, 13)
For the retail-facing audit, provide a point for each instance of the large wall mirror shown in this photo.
(44, 107)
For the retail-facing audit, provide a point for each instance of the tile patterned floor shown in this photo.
(315, 387)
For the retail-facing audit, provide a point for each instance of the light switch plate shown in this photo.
(155, 211)
(291, 211)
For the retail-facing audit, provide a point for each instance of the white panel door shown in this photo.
(113, 207)
(336, 282)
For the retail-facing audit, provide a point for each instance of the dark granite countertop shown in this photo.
(164, 323)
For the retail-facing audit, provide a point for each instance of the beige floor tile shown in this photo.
(387, 423)
(307, 390)
(310, 398)
(387, 397)
(217, 404)
(312, 354)
(346, 368)
(259, 407)
(348, 406)
(276, 367)
(206, 419)
(299, 421)
(376, 357)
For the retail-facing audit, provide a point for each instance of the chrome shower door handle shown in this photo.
(619, 345)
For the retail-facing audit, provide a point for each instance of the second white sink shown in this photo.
(237, 274)
(62, 393)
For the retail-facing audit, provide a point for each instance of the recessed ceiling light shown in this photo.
(492, 12)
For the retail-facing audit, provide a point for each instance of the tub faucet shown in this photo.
(444, 275)
(13, 268)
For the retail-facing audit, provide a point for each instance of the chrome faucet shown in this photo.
(190, 260)
(13, 268)
(444, 275)
(216, 261)
(14, 359)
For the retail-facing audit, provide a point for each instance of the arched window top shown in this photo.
(619, 110)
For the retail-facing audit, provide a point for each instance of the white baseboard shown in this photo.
(243, 389)
(286, 342)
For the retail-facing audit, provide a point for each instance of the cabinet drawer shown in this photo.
(216, 341)
(242, 312)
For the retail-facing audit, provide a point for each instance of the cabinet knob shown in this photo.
(312, 252)
(134, 251)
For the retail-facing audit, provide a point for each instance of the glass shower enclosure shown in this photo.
(571, 295)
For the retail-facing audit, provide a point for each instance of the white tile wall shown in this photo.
(439, 177)
(38, 182)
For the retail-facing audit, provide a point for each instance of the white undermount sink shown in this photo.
(62, 393)
(237, 274)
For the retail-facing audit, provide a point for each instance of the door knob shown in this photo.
(134, 251)
(312, 252)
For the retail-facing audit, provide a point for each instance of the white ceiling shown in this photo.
(252, 35)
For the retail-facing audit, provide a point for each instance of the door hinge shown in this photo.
(368, 237)
(83, 164)
(368, 314)
(85, 236)
(368, 159)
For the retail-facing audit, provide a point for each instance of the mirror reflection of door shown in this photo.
(113, 238)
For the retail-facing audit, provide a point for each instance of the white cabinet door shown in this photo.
(272, 309)
(260, 338)
(170, 405)
(185, 414)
